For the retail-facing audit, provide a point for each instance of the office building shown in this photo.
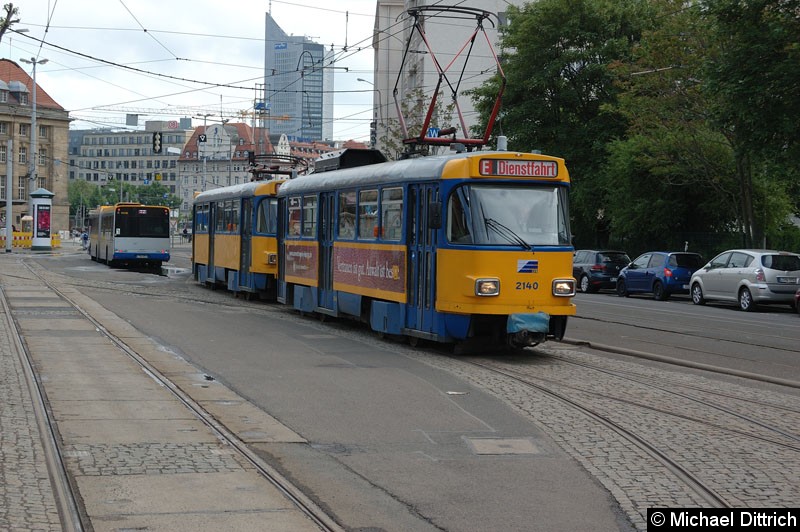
(104, 156)
(296, 82)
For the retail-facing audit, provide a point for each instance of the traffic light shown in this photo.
(157, 142)
(373, 133)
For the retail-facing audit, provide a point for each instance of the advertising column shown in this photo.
(42, 201)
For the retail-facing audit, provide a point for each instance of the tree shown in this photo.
(673, 172)
(8, 19)
(556, 57)
(752, 77)
(414, 105)
(155, 194)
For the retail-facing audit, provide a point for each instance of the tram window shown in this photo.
(233, 222)
(392, 213)
(347, 214)
(221, 213)
(457, 225)
(368, 214)
(202, 218)
(309, 215)
(267, 217)
(293, 227)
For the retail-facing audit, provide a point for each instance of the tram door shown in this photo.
(212, 227)
(247, 234)
(421, 258)
(326, 224)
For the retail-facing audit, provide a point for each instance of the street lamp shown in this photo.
(379, 114)
(32, 166)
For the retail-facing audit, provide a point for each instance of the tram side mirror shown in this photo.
(435, 215)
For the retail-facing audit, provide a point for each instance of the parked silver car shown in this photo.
(749, 277)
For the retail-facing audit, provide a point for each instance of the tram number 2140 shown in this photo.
(527, 285)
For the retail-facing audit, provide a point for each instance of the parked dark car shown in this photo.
(797, 301)
(661, 273)
(596, 269)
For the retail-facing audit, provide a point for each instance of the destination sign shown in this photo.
(504, 167)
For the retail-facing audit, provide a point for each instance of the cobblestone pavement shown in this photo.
(26, 495)
(136, 456)
(715, 431)
(748, 465)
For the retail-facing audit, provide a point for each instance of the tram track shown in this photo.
(669, 387)
(789, 440)
(603, 409)
(668, 479)
(689, 479)
(73, 517)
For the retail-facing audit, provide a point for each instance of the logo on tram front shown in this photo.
(527, 266)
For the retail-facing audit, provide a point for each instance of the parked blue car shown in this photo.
(660, 273)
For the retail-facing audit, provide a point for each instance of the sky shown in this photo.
(168, 59)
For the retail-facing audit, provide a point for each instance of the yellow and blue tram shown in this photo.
(446, 248)
(234, 240)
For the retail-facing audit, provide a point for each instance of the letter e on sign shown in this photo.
(486, 167)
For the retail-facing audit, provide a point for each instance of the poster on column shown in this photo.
(43, 221)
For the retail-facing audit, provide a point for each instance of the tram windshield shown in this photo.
(506, 215)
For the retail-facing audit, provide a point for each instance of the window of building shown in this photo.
(23, 155)
(3, 128)
(42, 157)
(24, 130)
(22, 189)
(3, 153)
(43, 131)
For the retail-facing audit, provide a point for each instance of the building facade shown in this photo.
(216, 156)
(296, 82)
(52, 125)
(103, 156)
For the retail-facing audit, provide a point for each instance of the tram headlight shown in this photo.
(487, 287)
(564, 287)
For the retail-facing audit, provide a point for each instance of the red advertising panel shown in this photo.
(301, 262)
(42, 221)
(373, 270)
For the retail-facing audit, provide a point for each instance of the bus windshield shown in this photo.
(142, 222)
(508, 215)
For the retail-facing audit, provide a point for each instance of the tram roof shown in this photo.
(244, 190)
(417, 169)
(405, 170)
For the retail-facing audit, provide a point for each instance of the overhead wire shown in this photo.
(148, 33)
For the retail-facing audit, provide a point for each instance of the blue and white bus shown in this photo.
(129, 234)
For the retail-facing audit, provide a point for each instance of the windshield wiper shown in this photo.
(507, 233)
